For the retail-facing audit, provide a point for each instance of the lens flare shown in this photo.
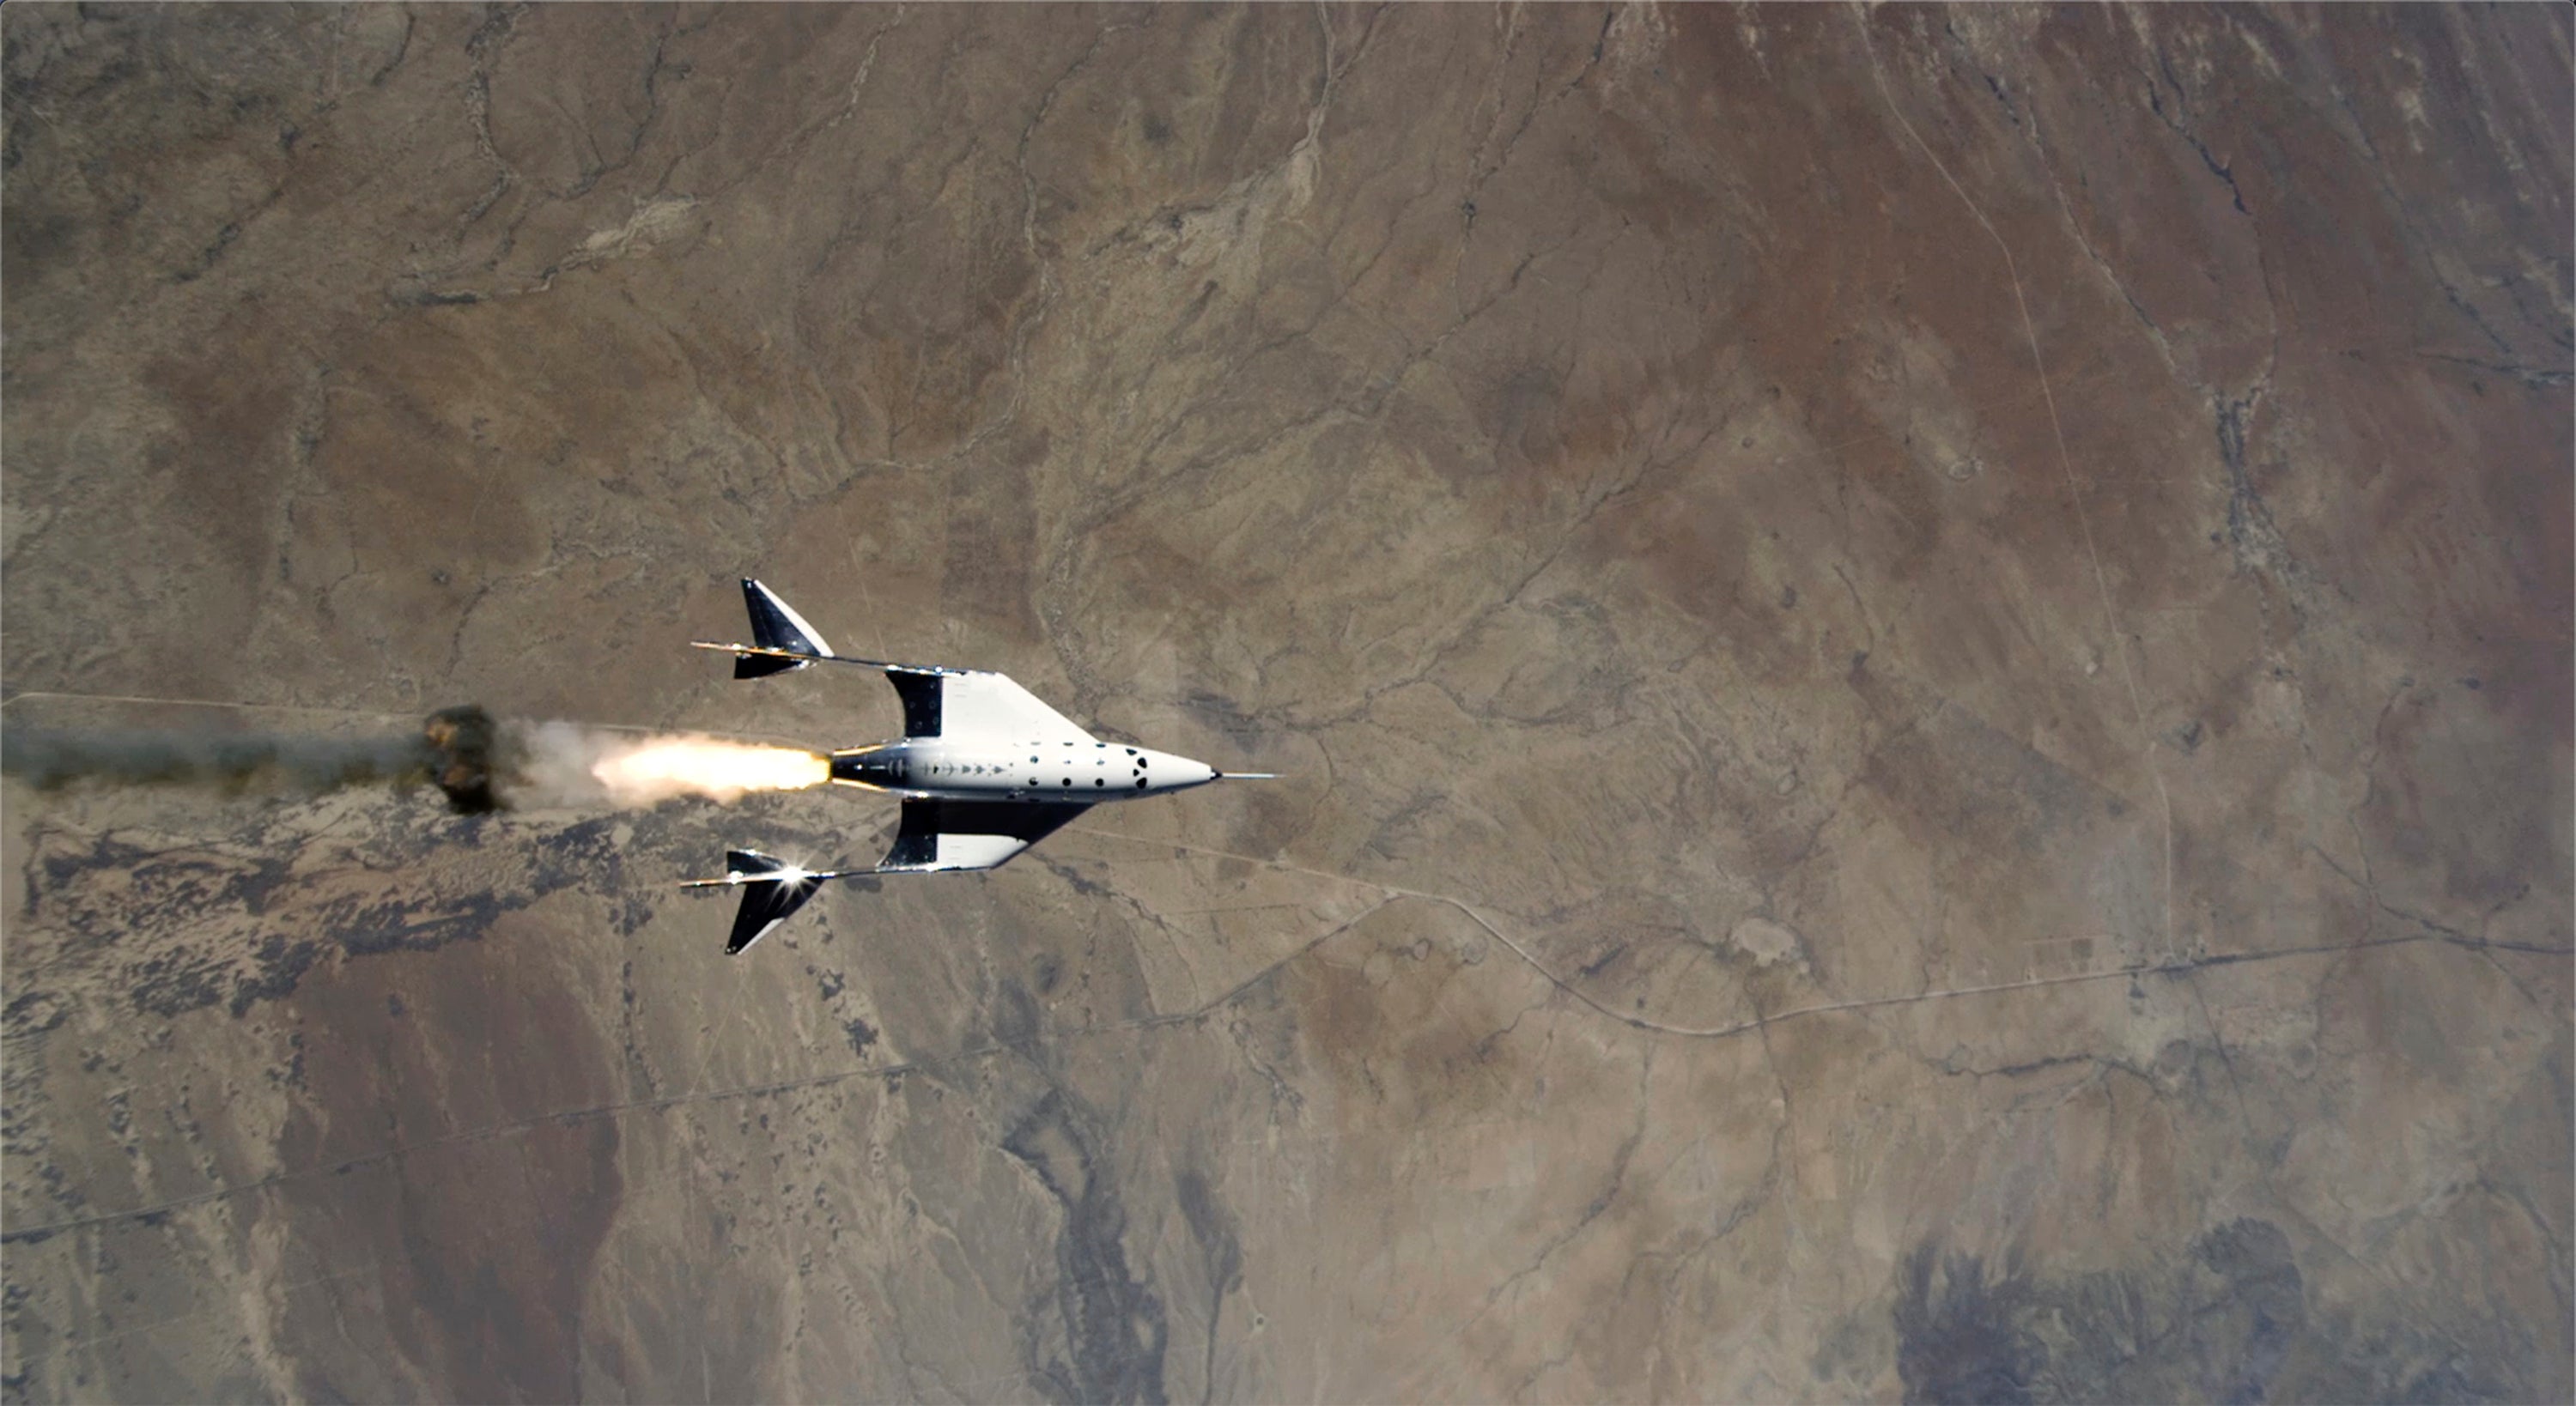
(644, 772)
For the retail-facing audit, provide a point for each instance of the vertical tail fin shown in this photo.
(775, 625)
(772, 889)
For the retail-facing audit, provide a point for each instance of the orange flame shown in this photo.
(646, 772)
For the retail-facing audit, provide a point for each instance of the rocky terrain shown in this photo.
(1922, 659)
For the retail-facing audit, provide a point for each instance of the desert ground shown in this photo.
(1921, 662)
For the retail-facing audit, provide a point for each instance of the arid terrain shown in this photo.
(1921, 660)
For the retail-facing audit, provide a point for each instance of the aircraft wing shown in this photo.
(939, 834)
(982, 707)
(975, 705)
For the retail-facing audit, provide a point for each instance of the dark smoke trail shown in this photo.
(456, 750)
(50, 758)
(480, 763)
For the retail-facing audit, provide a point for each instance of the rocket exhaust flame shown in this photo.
(479, 762)
(484, 765)
(643, 771)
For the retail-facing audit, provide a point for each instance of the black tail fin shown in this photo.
(772, 889)
(774, 625)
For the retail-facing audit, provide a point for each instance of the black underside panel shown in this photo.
(920, 694)
(916, 840)
(760, 666)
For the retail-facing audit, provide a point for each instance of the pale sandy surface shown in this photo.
(1923, 662)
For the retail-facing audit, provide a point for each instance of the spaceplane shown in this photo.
(985, 769)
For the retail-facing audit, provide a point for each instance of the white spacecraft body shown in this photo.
(985, 769)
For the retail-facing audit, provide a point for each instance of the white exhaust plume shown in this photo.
(566, 764)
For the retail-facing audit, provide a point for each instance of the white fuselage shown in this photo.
(1086, 773)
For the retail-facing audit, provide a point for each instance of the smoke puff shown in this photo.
(468, 748)
(554, 765)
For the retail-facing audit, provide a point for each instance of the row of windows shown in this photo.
(973, 769)
(979, 769)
